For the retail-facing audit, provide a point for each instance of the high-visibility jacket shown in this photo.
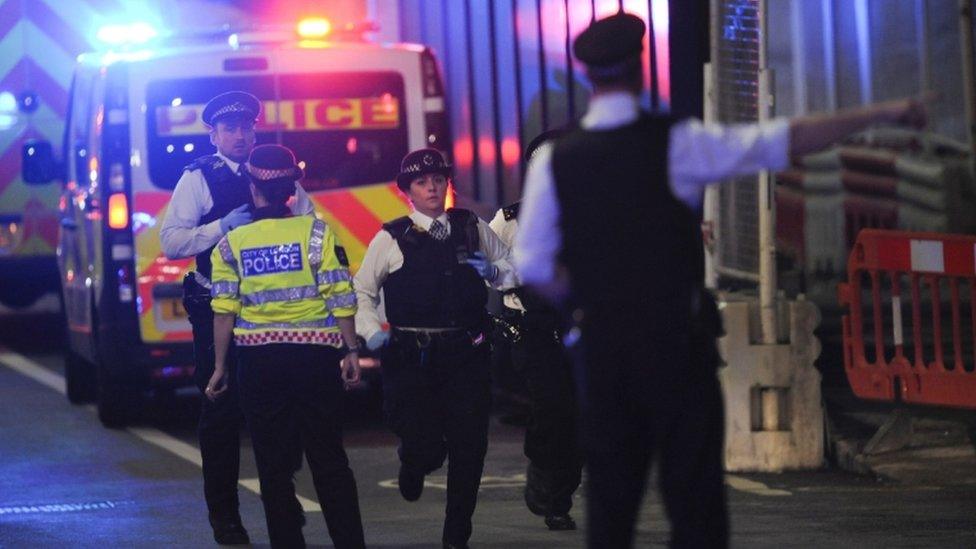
(286, 279)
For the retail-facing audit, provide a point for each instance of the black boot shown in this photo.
(229, 531)
(560, 522)
(411, 483)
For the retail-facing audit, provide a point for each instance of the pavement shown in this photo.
(910, 445)
(65, 481)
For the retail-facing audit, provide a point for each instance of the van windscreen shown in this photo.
(346, 129)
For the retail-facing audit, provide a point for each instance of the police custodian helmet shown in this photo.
(421, 162)
(611, 47)
(232, 103)
(270, 164)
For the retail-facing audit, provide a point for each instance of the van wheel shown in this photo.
(118, 404)
(79, 377)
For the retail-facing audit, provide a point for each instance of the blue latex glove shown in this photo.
(377, 340)
(237, 217)
(485, 268)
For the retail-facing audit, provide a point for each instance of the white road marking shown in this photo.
(175, 446)
(254, 485)
(753, 487)
(188, 452)
(33, 370)
(440, 482)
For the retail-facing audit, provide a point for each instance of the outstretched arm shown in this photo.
(813, 133)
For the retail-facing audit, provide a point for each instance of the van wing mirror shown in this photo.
(38, 163)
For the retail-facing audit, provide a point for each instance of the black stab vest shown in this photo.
(628, 243)
(434, 288)
(228, 190)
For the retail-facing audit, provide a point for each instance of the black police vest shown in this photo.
(228, 190)
(434, 288)
(627, 241)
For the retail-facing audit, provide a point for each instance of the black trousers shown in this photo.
(219, 428)
(650, 392)
(551, 437)
(437, 399)
(292, 397)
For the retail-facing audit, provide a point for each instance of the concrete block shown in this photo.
(773, 409)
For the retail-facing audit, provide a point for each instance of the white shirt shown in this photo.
(698, 154)
(383, 256)
(191, 200)
(506, 230)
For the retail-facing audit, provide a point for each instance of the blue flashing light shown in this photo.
(129, 34)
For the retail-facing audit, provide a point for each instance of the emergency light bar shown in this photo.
(122, 35)
(314, 27)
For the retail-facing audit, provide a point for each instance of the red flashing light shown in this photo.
(118, 211)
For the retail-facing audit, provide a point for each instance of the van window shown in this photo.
(79, 118)
(347, 129)
(176, 134)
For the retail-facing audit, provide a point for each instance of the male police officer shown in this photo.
(633, 260)
(533, 328)
(432, 266)
(211, 198)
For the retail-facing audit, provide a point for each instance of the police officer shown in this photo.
(631, 255)
(432, 266)
(210, 199)
(533, 328)
(281, 285)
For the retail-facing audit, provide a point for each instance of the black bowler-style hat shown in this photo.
(271, 164)
(421, 162)
(232, 103)
(611, 47)
(537, 141)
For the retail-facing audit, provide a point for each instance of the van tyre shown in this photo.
(80, 382)
(118, 404)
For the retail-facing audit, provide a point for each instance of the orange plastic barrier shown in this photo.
(926, 356)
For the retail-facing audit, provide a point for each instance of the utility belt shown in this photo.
(426, 338)
(196, 295)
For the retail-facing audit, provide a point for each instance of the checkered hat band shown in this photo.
(233, 107)
(332, 339)
(264, 174)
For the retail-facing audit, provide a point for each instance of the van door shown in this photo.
(76, 255)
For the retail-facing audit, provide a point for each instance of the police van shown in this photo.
(349, 109)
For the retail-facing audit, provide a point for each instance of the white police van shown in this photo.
(348, 108)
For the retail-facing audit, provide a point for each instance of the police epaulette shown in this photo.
(398, 227)
(211, 161)
(511, 211)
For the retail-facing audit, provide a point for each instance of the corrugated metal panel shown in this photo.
(510, 75)
(737, 70)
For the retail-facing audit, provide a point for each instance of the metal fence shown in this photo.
(510, 75)
(736, 43)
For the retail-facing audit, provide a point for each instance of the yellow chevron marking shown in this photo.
(355, 249)
(382, 202)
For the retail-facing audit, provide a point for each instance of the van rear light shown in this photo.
(118, 211)
(116, 177)
(125, 283)
(431, 76)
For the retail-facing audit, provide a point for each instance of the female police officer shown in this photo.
(282, 286)
(432, 266)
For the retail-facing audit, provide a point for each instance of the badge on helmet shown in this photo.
(421, 162)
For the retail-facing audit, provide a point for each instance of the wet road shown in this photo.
(65, 481)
